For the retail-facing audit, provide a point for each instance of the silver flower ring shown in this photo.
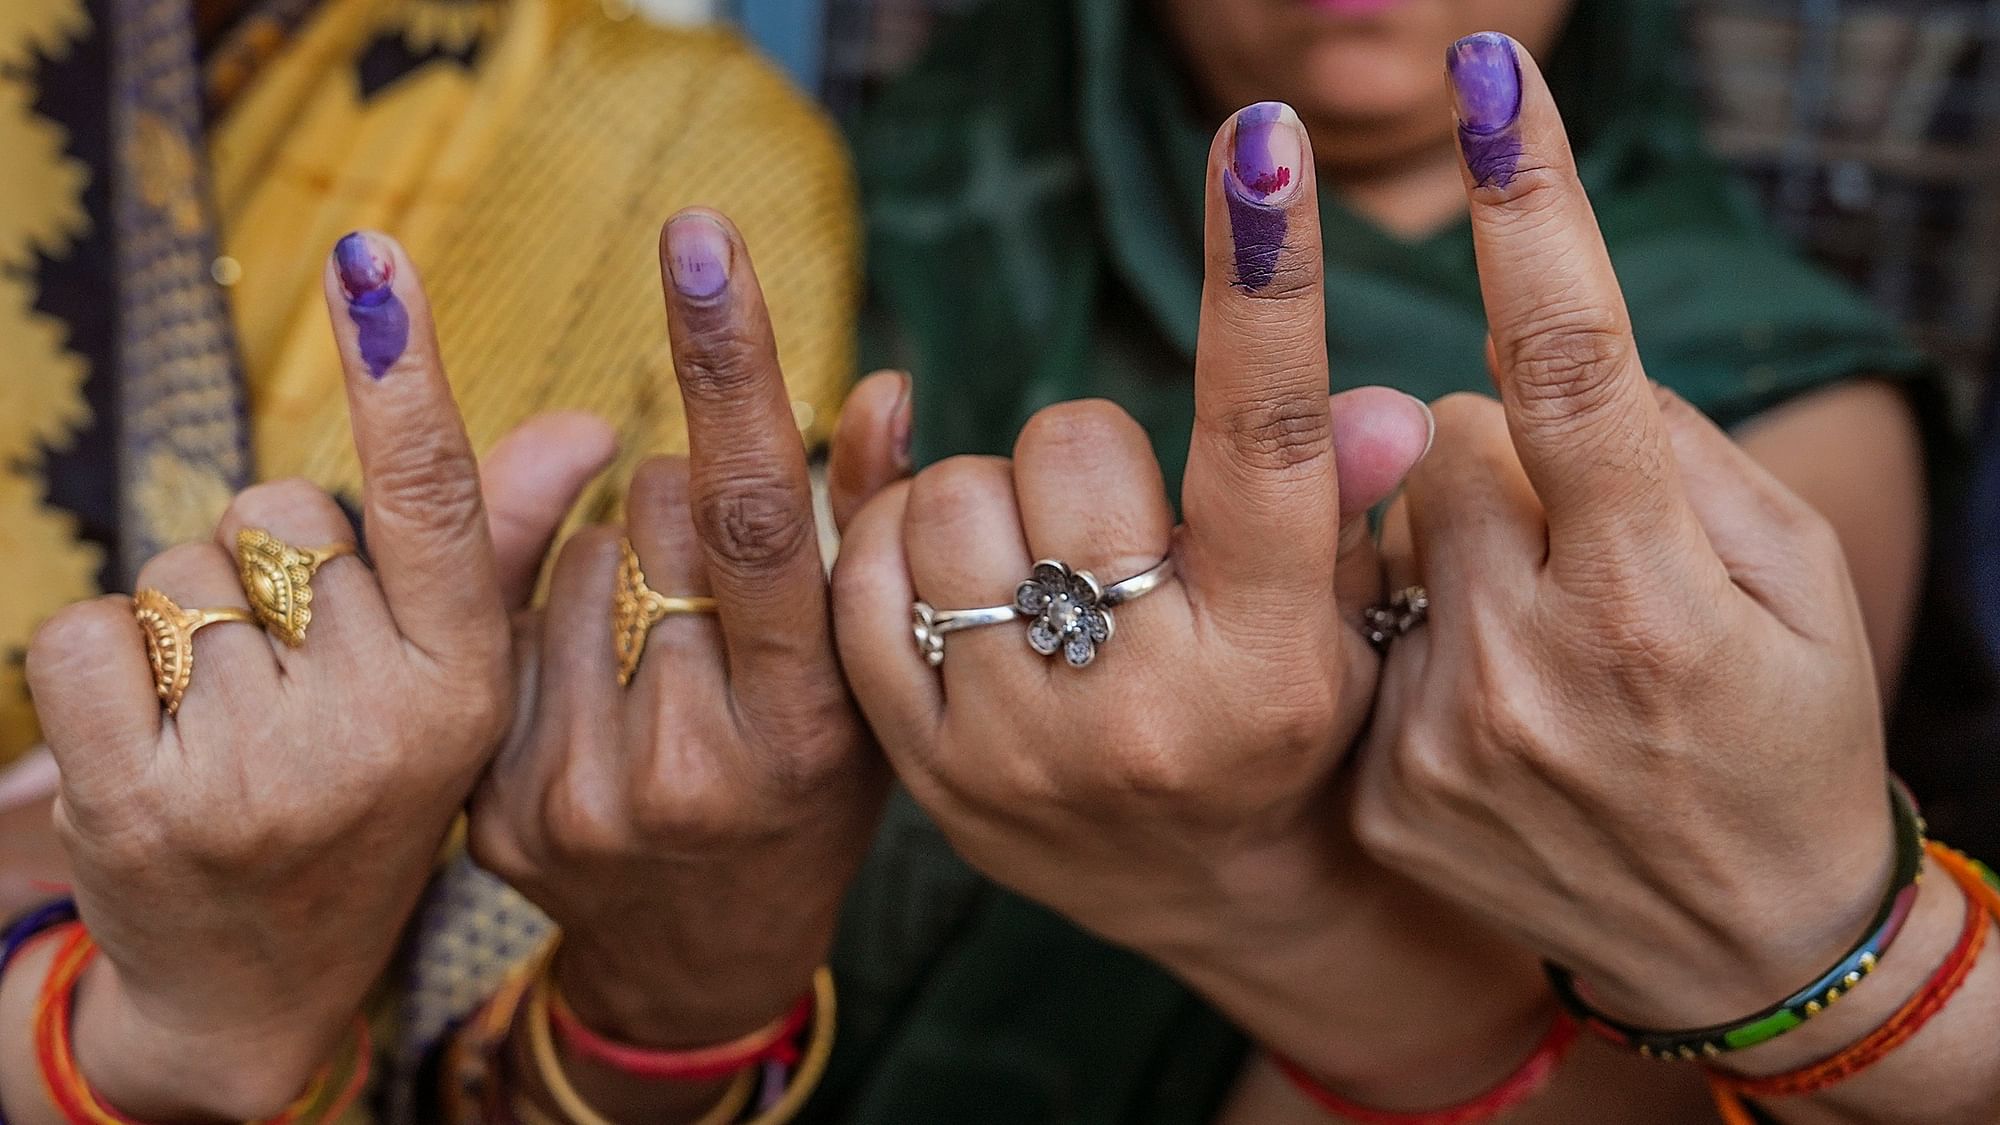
(1068, 611)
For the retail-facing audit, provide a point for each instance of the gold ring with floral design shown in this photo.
(637, 607)
(170, 631)
(277, 578)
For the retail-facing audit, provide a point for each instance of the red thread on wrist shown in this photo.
(1982, 908)
(776, 1041)
(1527, 1080)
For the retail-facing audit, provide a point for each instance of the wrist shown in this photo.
(657, 1002)
(1451, 1008)
(152, 1070)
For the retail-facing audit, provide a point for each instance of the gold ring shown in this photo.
(277, 578)
(170, 634)
(637, 607)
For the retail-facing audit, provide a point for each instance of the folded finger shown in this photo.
(871, 447)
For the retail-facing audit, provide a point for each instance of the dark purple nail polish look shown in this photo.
(367, 278)
(1486, 90)
(1265, 165)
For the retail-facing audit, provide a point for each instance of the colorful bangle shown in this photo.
(1807, 1002)
(25, 929)
(72, 1095)
(576, 1111)
(773, 1041)
(1527, 1080)
(1982, 909)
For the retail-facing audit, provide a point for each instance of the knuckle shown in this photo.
(960, 493)
(1294, 275)
(582, 826)
(1565, 359)
(1063, 431)
(685, 820)
(427, 480)
(722, 362)
(758, 521)
(75, 638)
(260, 502)
(1277, 435)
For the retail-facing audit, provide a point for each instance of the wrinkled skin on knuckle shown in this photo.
(754, 523)
(722, 363)
(1280, 435)
(1062, 431)
(425, 485)
(70, 643)
(1565, 359)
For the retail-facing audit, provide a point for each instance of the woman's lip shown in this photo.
(1353, 7)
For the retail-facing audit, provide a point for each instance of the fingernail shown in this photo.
(1486, 93)
(1431, 427)
(1266, 165)
(367, 273)
(698, 256)
(1268, 153)
(902, 418)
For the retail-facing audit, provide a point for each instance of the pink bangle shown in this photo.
(1526, 1081)
(775, 1041)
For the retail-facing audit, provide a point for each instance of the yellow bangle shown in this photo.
(812, 1067)
(541, 1044)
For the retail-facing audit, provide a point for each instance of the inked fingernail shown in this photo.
(902, 416)
(697, 256)
(368, 278)
(1486, 93)
(1266, 165)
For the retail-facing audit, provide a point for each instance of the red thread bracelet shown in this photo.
(1526, 1081)
(1982, 908)
(775, 1041)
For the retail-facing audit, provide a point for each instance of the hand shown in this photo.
(247, 864)
(693, 834)
(1640, 728)
(1171, 796)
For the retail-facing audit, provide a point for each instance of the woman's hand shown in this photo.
(247, 864)
(1170, 796)
(1640, 729)
(694, 833)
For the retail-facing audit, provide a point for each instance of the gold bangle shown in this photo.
(819, 1051)
(541, 1044)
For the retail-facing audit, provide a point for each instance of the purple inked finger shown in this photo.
(1486, 93)
(367, 278)
(1266, 157)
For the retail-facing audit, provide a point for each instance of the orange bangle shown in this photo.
(73, 1096)
(1982, 908)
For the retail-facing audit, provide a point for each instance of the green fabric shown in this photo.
(1034, 198)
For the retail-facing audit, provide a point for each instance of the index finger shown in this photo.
(747, 484)
(1260, 484)
(425, 521)
(1580, 410)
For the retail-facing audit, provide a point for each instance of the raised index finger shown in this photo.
(426, 524)
(747, 481)
(1581, 412)
(1260, 495)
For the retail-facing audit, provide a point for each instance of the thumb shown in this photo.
(871, 449)
(531, 479)
(1379, 435)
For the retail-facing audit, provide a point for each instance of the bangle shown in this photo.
(573, 1105)
(23, 931)
(1527, 1080)
(65, 1083)
(1982, 908)
(774, 1040)
(1807, 1002)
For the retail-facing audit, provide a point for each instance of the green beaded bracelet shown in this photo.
(1807, 1002)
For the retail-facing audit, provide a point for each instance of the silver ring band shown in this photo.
(930, 625)
(1144, 582)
